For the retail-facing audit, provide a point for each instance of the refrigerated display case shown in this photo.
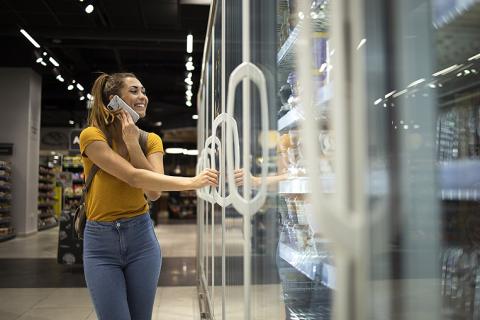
(354, 127)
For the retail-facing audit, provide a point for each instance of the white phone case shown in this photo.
(117, 103)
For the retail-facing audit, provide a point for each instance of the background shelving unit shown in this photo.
(73, 184)
(182, 204)
(46, 199)
(6, 230)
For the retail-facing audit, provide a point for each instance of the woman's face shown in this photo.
(133, 93)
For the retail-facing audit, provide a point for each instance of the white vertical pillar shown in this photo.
(20, 89)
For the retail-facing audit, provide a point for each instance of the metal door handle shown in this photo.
(247, 70)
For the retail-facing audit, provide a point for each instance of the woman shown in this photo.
(122, 256)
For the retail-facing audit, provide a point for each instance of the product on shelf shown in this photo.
(46, 198)
(6, 229)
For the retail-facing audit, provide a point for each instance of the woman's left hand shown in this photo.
(240, 174)
(130, 132)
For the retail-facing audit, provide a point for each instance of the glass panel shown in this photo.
(234, 240)
(305, 263)
(456, 82)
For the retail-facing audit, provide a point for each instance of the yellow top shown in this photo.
(109, 198)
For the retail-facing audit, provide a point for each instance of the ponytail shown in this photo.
(105, 86)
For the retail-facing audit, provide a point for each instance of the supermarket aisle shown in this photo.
(34, 287)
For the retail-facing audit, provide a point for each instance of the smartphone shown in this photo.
(117, 103)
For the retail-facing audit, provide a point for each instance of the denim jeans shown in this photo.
(122, 261)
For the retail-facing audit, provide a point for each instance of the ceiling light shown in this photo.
(174, 150)
(447, 70)
(390, 94)
(189, 43)
(190, 59)
(70, 87)
(378, 101)
(414, 83)
(39, 60)
(89, 96)
(45, 53)
(82, 98)
(477, 56)
(53, 61)
(79, 86)
(71, 122)
(190, 152)
(29, 37)
(195, 117)
(362, 42)
(89, 9)
(158, 124)
(43, 63)
(400, 93)
(188, 81)
(301, 15)
(188, 103)
(60, 78)
(189, 93)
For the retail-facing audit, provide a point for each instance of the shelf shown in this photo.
(292, 118)
(5, 219)
(301, 185)
(78, 181)
(286, 54)
(73, 197)
(5, 210)
(289, 120)
(7, 237)
(5, 178)
(46, 227)
(312, 266)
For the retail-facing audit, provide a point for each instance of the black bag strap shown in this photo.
(143, 138)
(93, 170)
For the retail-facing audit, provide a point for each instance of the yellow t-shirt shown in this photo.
(109, 198)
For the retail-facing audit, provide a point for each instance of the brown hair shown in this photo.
(103, 87)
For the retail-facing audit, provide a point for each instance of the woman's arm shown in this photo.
(106, 159)
(154, 162)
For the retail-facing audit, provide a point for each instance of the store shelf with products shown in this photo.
(182, 204)
(46, 199)
(72, 181)
(6, 230)
(307, 252)
(286, 54)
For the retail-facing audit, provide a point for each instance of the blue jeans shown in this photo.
(122, 261)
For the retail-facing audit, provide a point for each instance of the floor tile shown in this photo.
(56, 314)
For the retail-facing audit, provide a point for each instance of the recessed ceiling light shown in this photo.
(89, 9)
(189, 43)
(195, 117)
(71, 122)
(158, 123)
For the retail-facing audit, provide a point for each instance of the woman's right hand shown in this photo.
(208, 177)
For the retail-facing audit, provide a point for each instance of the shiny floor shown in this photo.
(53, 303)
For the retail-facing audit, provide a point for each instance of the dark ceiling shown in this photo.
(146, 37)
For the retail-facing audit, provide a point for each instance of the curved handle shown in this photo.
(231, 125)
(208, 160)
(247, 70)
(199, 168)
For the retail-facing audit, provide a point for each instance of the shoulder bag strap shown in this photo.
(91, 174)
(143, 141)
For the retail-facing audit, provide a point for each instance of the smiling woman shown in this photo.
(122, 257)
